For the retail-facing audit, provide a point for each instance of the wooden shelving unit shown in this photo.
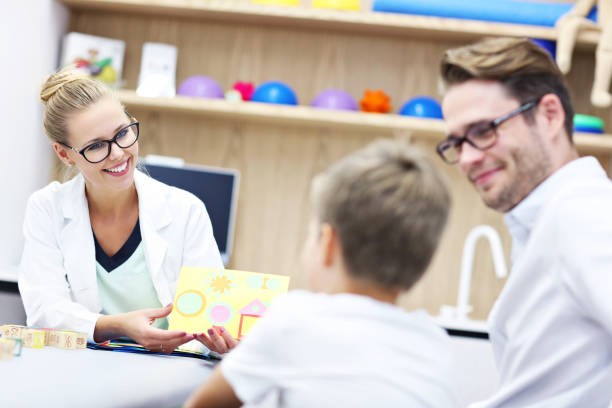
(423, 27)
(278, 149)
(307, 116)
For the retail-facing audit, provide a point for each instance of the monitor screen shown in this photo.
(216, 187)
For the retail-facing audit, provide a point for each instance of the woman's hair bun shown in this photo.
(59, 79)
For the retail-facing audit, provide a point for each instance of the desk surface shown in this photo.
(52, 377)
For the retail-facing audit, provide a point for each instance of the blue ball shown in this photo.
(588, 129)
(422, 106)
(275, 92)
(548, 45)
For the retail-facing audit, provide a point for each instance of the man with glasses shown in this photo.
(510, 121)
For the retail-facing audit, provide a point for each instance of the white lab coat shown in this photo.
(57, 276)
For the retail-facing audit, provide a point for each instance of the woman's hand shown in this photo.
(218, 340)
(137, 326)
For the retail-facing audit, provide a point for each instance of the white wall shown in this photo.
(30, 37)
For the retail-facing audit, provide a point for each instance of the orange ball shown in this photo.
(375, 101)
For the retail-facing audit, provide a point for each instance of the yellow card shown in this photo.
(207, 297)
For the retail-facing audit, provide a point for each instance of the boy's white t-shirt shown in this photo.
(342, 350)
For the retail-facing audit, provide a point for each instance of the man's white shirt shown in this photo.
(551, 327)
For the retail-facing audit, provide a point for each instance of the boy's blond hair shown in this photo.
(389, 206)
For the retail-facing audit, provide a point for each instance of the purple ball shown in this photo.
(334, 99)
(201, 86)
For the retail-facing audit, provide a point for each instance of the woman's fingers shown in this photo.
(218, 342)
(154, 338)
(229, 340)
(160, 312)
(203, 338)
(171, 346)
(160, 336)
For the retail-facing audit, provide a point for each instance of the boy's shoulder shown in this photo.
(305, 305)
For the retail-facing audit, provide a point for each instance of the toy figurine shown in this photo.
(567, 30)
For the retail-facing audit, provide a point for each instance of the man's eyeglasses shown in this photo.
(100, 150)
(481, 135)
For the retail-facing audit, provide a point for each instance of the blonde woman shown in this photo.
(103, 251)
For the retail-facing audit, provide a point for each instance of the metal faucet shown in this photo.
(463, 307)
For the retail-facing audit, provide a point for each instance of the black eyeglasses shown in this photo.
(481, 135)
(100, 150)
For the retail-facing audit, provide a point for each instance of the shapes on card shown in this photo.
(220, 282)
(220, 313)
(256, 308)
(226, 293)
(273, 284)
(255, 281)
(190, 303)
(249, 314)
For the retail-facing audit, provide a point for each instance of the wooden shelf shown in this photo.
(306, 116)
(367, 22)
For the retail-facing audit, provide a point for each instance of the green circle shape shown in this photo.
(190, 303)
(273, 284)
(588, 121)
(255, 281)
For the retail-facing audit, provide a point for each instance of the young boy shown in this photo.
(378, 216)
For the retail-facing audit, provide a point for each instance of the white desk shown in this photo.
(9, 273)
(53, 377)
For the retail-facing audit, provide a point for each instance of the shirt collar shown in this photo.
(521, 219)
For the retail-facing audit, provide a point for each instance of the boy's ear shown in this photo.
(329, 244)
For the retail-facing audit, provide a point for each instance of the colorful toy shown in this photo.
(233, 96)
(11, 330)
(334, 99)
(589, 124)
(375, 101)
(337, 4)
(578, 18)
(39, 338)
(246, 89)
(275, 92)
(34, 338)
(201, 86)
(67, 340)
(98, 69)
(9, 348)
(422, 106)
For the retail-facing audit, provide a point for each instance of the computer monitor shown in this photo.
(216, 187)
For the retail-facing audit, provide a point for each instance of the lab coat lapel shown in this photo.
(76, 240)
(154, 216)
